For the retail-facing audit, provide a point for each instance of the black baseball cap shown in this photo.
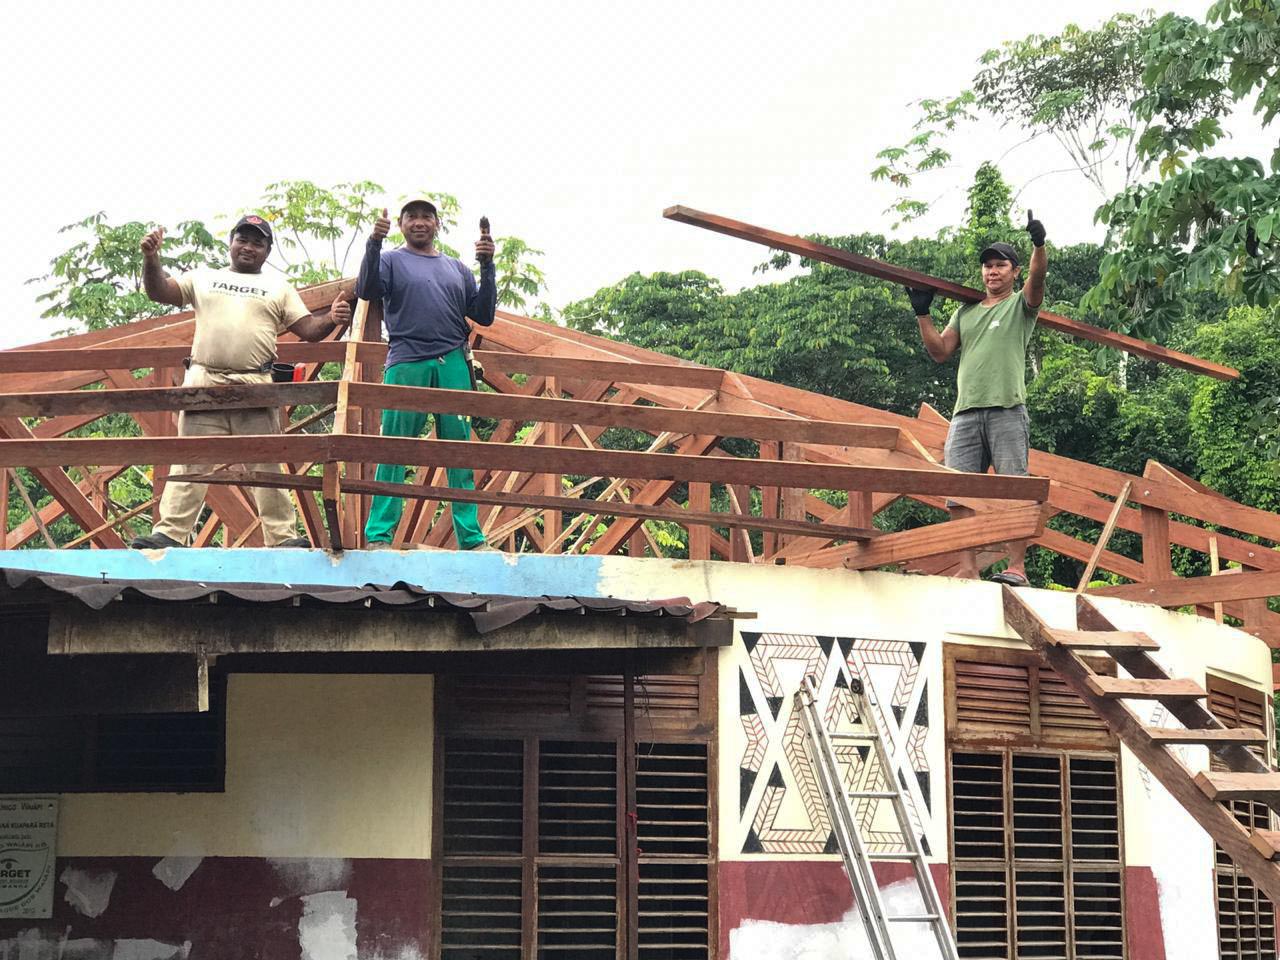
(420, 202)
(255, 221)
(998, 251)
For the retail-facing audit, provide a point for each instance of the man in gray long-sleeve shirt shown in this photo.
(426, 298)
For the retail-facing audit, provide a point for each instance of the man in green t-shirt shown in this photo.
(990, 427)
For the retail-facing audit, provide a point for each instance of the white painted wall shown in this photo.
(317, 766)
(340, 766)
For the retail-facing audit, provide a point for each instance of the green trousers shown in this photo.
(451, 373)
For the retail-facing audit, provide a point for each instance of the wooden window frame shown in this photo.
(1037, 738)
(1069, 865)
(1007, 745)
(579, 722)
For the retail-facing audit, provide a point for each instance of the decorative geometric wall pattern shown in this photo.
(779, 802)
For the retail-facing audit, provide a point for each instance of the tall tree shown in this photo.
(318, 228)
(97, 281)
(1080, 87)
(1209, 223)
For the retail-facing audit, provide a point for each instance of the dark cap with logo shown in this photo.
(998, 251)
(420, 202)
(257, 223)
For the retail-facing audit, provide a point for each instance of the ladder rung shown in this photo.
(914, 918)
(854, 736)
(1209, 735)
(1267, 843)
(1115, 688)
(874, 795)
(894, 855)
(1103, 640)
(1229, 785)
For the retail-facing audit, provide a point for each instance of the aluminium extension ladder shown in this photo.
(857, 861)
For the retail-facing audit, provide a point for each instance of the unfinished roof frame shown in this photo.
(575, 387)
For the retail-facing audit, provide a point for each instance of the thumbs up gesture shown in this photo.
(1035, 229)
(484, 246)
(381, 227)
(150, 244)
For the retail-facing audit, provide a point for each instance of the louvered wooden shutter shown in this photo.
(994, 697)
(1011, 697)
(1246, 918)
(483, 817)
(576, 856)
(675, 700)
(1036, 856)
(674, 839)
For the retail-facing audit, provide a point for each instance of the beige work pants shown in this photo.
(181, 502)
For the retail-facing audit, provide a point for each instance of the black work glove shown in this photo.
(1036, 230)
(921, 300)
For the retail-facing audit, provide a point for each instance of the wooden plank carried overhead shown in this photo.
(911, 278)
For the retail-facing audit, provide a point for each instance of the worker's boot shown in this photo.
(154, 541)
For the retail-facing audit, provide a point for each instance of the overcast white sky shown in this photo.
(570, 124)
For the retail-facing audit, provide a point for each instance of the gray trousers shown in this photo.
(989, 436)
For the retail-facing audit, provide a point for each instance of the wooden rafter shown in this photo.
(572, 388)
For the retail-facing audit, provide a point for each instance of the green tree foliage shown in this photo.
(97, 281)
(520, 279)
(312, 224)
(987, 220)
(827, 330)
(1210, 223)
(317, 228)
(1233, 424)
(1080, 87)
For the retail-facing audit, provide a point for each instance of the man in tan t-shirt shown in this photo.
(239, 312)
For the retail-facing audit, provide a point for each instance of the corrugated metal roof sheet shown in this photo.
(487, 611)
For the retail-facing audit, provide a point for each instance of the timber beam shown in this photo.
(531, 459)
(911, 278)
(616, 508)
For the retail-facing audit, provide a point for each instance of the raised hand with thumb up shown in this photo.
(150, 244)
(1035, 229)
(485, 246)
(381, 227)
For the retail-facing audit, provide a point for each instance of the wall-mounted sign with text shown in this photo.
(28, 842)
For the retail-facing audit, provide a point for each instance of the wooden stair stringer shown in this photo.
(1191, 714)
(1232, 836)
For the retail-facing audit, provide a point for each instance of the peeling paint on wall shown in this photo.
(88, 891)
(303, 876)
(149, 950)
(173, 872)
(34, 944)
(767, 940)
(410, 952)
(327, 928)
